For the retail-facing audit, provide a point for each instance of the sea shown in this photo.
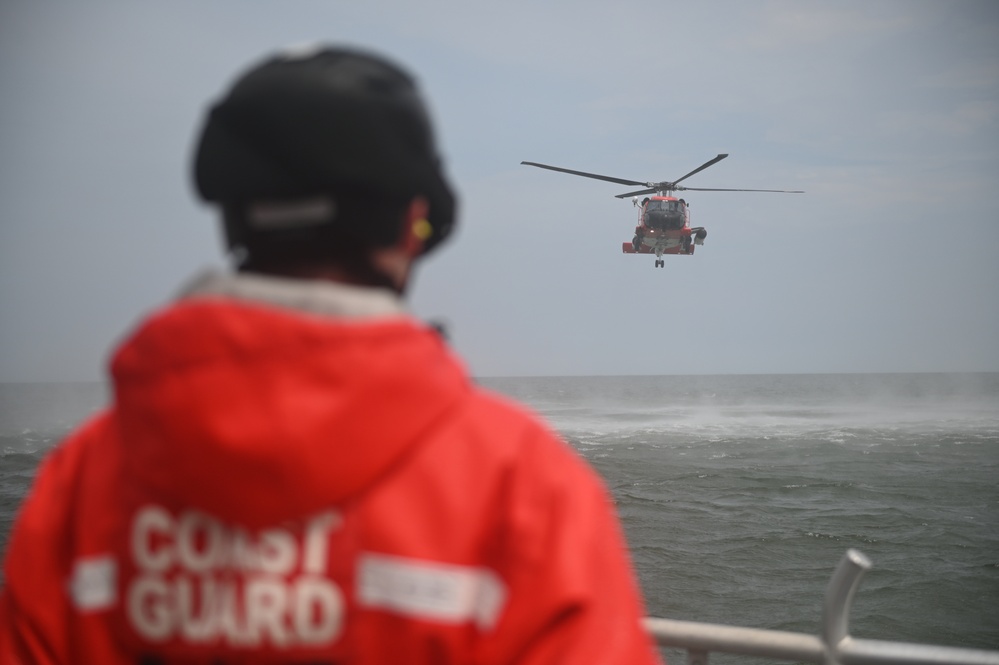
(739, 494)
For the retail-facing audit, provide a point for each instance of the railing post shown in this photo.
(836, 605)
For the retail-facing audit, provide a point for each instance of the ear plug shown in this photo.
(422, 229)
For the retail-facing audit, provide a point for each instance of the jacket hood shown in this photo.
(261, 400)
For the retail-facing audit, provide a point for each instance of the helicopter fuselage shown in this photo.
(664, 228)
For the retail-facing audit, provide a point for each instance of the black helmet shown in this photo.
(319, 140)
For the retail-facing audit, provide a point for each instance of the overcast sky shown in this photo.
(886, 113)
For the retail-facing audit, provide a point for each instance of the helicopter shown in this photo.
(663, 220)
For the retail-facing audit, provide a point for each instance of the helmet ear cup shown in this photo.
(334, 123)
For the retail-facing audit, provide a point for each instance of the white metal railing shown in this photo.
(833, 646)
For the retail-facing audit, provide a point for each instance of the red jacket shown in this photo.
(273, 485)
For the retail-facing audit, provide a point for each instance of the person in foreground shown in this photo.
(295, 470)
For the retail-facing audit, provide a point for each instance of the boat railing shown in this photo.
(833, 645)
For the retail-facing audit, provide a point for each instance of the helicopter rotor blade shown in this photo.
(619, 181)
(702, 167)
(638, 193)
(711, 189)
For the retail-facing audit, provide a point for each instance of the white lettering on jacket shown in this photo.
(201, 580)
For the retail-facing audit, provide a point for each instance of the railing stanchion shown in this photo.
(839, 596)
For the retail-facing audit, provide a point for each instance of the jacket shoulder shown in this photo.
(42, 545)
(59, 471)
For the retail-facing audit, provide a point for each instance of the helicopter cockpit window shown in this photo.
(664, 215)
